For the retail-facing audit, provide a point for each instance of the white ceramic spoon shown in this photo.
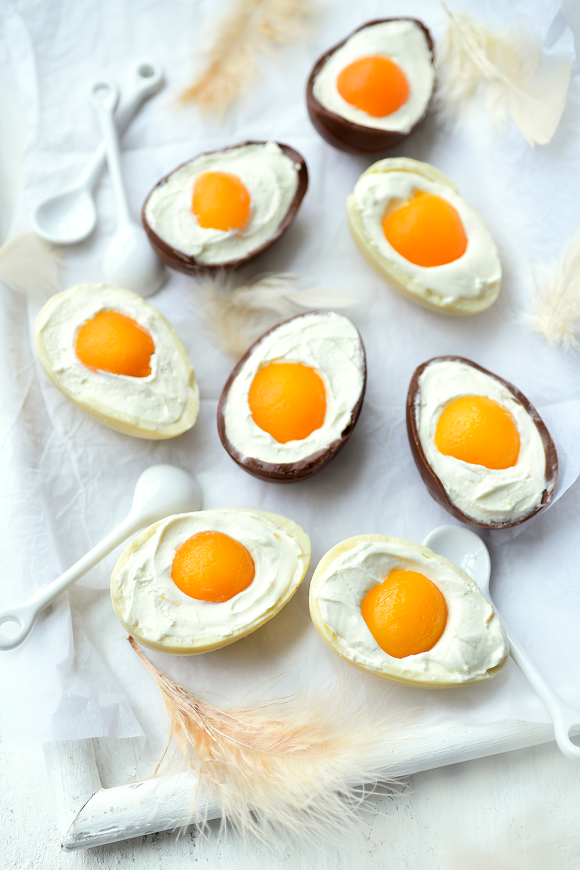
(129, 261)
(70, 216)
(466, 550)
(161, 491)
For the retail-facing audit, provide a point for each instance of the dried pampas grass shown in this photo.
(556, 307)
(282, 771)
(250, 27)
(506, 67)
(30, 265)
(235, 315)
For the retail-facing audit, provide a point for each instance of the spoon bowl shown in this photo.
(160, 491)
(466, 550)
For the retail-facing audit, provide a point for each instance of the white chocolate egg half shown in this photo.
(473, 645)
(427, 220)
(161, 616)
(114, 328)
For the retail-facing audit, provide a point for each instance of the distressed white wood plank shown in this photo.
(167, 803)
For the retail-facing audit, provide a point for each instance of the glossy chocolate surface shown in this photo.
(287, 472)
(434, 484)
(187, 263)
(344, 134)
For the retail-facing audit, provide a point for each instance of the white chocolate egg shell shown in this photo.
(473, 656)
(162, 405)
(476, 274)
(162, 617)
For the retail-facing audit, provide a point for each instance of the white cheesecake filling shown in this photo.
(147, 599)
(486, 494)
(271, 179)
(472, 642)
(402, 42)
(472, 275)
(159, 398)
(328, 343)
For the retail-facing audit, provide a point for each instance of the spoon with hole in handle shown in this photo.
(129, 261)
(466, 550)
(68, 217)
(161, 491)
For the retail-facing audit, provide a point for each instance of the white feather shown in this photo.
(235, 315)
(506, 67)
(30, 265)
(555, 309)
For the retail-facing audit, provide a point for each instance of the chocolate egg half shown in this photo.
(372, 90)
(292, 401)
(223, 208)
(481, 447)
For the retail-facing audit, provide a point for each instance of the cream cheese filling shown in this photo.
(328, 343)
(470, 276)
(472, 642)
(485, 494)
(402, 42)
(147, 599)
(268, 174)
(159, 398)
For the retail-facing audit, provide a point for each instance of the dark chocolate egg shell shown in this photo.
(344, 134)
(288, 472)
(187, 263)
(432, 481)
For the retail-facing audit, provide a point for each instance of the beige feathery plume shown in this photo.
(556, 306)
(506, 67)
(282, 770)
(250, 27)
(235, 315)
(30, 265)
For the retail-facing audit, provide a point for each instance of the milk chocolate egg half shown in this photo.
(196, 582)
(223, 208)
(410, 223)
(372, 90)
(118, 359)
(401, 612)
(480, 446)
(292, 401)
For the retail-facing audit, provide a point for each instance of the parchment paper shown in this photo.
(68, 480)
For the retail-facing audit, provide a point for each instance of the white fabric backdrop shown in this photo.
(68, 480)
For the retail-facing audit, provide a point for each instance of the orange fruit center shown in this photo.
(406, 613)
(112, 342)
(220, 201)
(287, 400)
(374, 84)
(426, 230)
(478, 430)
(212, 566)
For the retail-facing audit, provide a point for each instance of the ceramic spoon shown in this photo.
(466, 550)
(69, 217)
(161, 491)
(129, 261)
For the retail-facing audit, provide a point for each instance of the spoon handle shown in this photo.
(105, 97)
(146, 79)
(24, 615)
(565, 718)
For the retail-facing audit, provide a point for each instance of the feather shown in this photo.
(236, 315)
(286, 770)
(556, 307)
(251, 26)
(30, 265)
(505, 65)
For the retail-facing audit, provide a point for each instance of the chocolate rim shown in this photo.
(434, 484)
(288, 472)
(187, 263)
(344, 134)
